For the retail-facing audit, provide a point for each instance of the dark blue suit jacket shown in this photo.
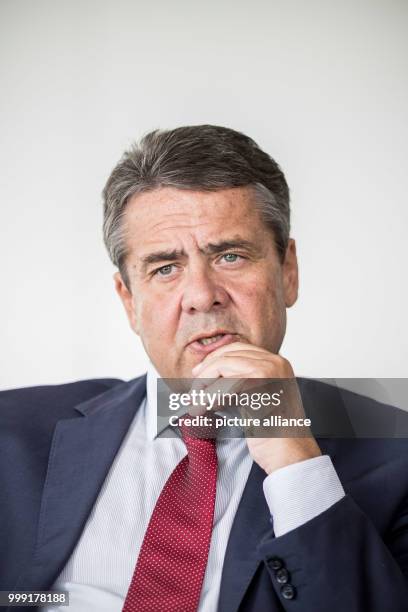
(58, 442)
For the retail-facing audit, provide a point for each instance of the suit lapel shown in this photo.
(82, 451)
(252, 522)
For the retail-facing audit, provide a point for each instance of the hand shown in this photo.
(244, 361)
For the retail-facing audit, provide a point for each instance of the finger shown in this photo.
(237, 366)
(233, 354)
(222, 351)
(234, 346)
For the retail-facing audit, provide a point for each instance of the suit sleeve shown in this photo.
(338, 562)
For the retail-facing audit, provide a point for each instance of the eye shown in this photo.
(164, 270)
(231, 257)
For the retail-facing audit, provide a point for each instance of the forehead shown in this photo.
(169, 214)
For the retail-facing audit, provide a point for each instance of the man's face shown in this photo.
(203, 272)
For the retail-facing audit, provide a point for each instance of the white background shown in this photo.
(321, 85)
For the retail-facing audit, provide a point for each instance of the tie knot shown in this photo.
(197, 432)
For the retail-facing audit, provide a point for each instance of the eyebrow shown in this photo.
(212, 248)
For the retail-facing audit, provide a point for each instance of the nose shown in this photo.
(202, 292)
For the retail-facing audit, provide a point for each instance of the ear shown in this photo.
(290, 274)
(127, 300)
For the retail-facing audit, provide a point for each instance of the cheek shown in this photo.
(258, 295)
(261, 306)
(157, 319)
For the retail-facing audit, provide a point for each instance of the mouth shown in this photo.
(206, 343)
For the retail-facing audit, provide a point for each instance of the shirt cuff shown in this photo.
(298, 492)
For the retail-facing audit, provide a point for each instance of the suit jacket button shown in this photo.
(282, 576)
(275, 563)
(288, 591)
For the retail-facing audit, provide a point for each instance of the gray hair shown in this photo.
(199, 157)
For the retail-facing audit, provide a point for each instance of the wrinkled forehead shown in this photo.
(170, 215)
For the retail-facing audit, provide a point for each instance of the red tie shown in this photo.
(170, 569)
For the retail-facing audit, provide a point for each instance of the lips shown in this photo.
(206, 343)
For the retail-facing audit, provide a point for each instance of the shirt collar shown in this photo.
(154, 426)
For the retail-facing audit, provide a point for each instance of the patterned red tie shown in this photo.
(170, 569)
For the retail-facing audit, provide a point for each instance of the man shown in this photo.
(97, 502)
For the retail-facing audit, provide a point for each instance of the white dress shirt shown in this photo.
(98, 573)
